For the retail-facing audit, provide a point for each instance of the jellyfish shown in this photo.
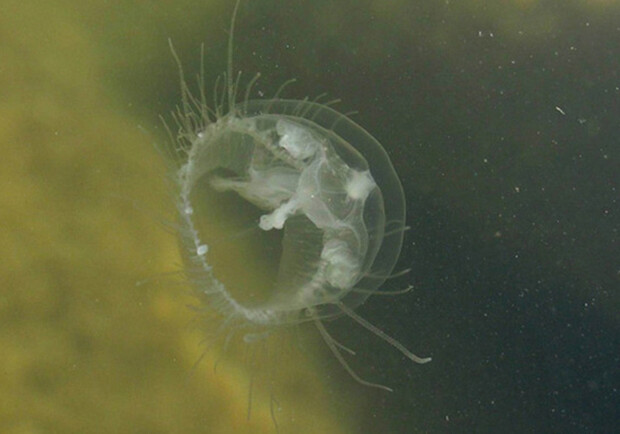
(289, 211)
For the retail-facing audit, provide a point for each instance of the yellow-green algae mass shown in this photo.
(83, 348)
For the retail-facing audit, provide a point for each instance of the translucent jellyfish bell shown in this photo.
(307, 186)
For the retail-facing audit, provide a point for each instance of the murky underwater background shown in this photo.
(502, 120)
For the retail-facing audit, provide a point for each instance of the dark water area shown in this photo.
(505, 133)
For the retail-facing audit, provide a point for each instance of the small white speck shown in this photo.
(560, 110)
(201, 249)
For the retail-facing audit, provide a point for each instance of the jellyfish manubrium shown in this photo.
(290, 212)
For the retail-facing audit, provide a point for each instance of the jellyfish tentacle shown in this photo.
(381, 334)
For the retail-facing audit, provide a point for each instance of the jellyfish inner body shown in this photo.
(300, 215)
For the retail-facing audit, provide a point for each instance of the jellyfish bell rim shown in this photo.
(355, 144)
